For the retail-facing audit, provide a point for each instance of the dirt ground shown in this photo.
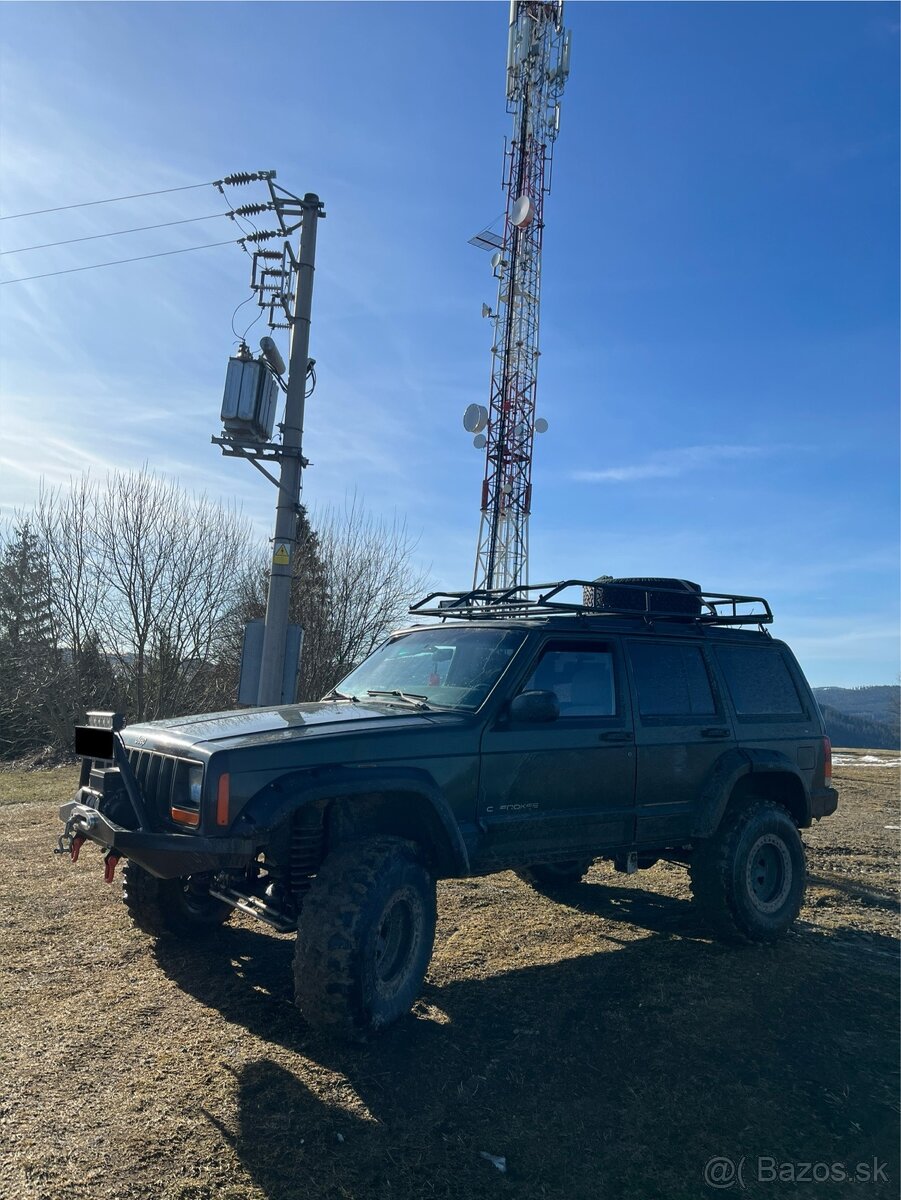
(603, 1047)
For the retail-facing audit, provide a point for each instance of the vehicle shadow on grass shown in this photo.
(619, 1073)
(654, 911)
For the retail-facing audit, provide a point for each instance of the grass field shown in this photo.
(604, 1047)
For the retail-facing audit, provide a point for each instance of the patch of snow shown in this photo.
(864, 760)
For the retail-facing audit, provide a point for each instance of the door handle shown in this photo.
(616, 735)
(717, 732)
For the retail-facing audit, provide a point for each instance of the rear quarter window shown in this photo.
(759, 681)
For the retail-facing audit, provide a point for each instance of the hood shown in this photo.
(268, 724)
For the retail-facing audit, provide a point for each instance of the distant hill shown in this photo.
(858, 730)
(878, 703)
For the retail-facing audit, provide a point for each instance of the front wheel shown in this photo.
(181, 908)
(365, 937)
(749, 878)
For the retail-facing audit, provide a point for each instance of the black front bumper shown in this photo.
(166, 855)
(823, 802)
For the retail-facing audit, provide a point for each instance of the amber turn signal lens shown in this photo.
(184, 816)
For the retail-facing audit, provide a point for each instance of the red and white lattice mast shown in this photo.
(537, 68)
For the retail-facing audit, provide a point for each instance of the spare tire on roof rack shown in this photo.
(677, 597)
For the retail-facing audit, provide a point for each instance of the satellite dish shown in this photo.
(497, 260)
(506, 488)
(480, 441)
(523, 212)
(475, 418)
(486, 310)
(541, 425)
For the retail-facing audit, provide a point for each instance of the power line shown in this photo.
(117, 262)
(188, 187)
(115, 233)
(237, 179)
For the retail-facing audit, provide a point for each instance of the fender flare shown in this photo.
(732, 766)
(278, 800)
(722, 778)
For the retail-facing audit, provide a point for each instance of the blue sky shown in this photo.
(720, 305)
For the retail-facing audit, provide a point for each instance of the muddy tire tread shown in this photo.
(711, 868)
(326, 979)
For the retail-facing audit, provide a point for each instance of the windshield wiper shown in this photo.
(407, 697)
(335, 694)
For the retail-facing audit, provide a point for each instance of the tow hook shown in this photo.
(110, 862)
(70, 843)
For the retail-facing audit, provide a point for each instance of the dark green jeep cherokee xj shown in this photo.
(536, 730)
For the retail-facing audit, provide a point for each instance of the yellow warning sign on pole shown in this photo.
(281, 555)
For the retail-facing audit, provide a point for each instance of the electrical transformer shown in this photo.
(249, 402)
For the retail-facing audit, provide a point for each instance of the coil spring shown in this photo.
(307, 844)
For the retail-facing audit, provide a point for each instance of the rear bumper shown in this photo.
(165, 855)
(823, 802)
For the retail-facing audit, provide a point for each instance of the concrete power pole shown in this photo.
(284, 545)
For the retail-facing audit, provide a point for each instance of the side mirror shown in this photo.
(534, 707)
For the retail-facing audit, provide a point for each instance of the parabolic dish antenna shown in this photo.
(523, 212)
(480, 441)
(497, 260)
(475, 418)
(541, 425)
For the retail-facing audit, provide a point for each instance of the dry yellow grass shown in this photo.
(605, 1046)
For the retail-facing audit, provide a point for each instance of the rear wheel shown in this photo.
(549, 878)
(177, 907)
(365, 937)
(749, 878)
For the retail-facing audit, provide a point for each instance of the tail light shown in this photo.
(827, 757)
(222, 798)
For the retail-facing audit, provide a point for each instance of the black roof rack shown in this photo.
(599, 598)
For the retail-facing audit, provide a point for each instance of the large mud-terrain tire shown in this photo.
(171, 907)
(365, 937)
(749, 879)
(551, 878)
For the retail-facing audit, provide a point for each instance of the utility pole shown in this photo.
(284, 545)
(283, 284)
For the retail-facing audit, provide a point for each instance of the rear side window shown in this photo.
(671, 680)
(759, 681)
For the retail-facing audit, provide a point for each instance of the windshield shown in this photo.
(451, 667)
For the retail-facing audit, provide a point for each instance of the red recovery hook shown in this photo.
(76, 844)
(110, 862)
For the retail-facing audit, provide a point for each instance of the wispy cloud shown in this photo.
(668, 464)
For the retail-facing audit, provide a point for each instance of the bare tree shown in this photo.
(169, 562)
(131, 593)
(354, 579)
(372, 579)
(65, 519)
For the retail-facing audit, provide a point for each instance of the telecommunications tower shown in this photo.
(537, 67)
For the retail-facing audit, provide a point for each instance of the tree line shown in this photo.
(131, 594)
